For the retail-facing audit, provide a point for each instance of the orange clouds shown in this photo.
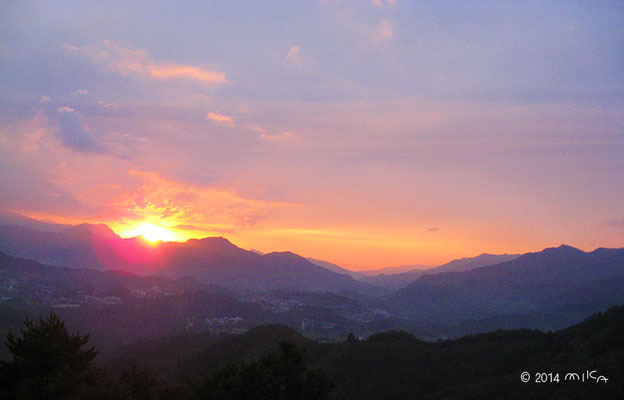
(126, 61)
(173, 71)
(225, 119)
(278, 136)
(207, 209)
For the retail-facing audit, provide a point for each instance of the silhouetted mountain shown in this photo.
(397, 281)
(400, 269)
(9, 218)
(81, 246)
(91, 230)
(466, 264)
(91, 282)
(528, 283)
(335, 268)
(209, 260)
(393, 281)
(218, 261)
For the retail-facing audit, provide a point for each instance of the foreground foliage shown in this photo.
(49, 363)
(275, 362)
(280, 376)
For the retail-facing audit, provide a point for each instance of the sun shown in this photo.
(153, 233)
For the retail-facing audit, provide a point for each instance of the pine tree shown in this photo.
(48, 363)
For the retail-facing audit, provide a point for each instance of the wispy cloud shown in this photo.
(614, 223)
(24, 135)
(371, 30)
(73, 133)
(191, 205)
(381, 3)
(174, 71)
(220, 118)
(127, 61)
(250, 221)
(294, 55)
(384, 30)
(256, 128)
(279, 136)
(110, 106)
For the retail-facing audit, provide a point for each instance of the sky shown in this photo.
(364, 133)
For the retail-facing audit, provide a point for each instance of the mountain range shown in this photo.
(398, 280)
(98, 247)
(544, 281)
(549, 289)
(210, 260)
(487, 287)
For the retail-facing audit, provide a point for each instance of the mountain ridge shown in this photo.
(400, 280)
(213, 260)
(520, 285)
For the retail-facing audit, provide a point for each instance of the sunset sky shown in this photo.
(365, 133)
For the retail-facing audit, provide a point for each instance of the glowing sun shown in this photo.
(153, 233)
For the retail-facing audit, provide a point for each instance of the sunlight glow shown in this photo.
(152, 233)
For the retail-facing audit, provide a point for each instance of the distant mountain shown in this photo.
(92, 281)
(209, 260)
(393, 281)
(396, 281)
(335, 268)
(466, 264)
(532, 282)
(80, 246)
(218, 261)
(9, 218)
(400, 269)
(400, 276)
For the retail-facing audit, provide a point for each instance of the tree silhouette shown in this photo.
(140, 384)
(278, 376)
(48, 362)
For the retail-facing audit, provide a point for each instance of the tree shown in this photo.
(49, 362)
(279, 376)
(140, 384)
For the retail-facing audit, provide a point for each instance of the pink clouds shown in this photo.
(174, 71)
(381, 3)
(220, 118)
(123, 60)
(294, 55)
(206, 208)
(277, 136)
(384, 30)
(45, 175)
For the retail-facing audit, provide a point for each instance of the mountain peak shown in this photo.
(93, 229)
(215, 239)
(210, 239)
(564, 249)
